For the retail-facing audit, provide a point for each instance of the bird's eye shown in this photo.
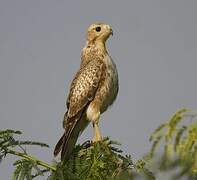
(98, 29)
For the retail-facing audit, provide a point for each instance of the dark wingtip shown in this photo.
(59, 145)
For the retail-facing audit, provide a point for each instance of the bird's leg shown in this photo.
(93, 115)
(97, 134)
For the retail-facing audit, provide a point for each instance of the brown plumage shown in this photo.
(93, 89)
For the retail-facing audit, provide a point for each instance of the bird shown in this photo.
(93, 89)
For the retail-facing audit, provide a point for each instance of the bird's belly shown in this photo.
(109, 98)
(109, 88)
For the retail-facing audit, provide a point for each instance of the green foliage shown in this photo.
(177, 138)
(100, 161)
(179, 142)
(27, 167)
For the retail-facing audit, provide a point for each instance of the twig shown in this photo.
(27, 157)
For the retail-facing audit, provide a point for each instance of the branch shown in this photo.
(30, 158)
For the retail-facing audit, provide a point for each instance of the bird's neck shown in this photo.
(100, 46)
(97, 44)
(91, 51)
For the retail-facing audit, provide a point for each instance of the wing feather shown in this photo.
(84, 86)
(82, 92)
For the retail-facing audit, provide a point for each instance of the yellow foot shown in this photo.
(96, 139)
(97, 135)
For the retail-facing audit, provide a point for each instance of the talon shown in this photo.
(96, 139)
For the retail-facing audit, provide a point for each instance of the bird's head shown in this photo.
(98, 33)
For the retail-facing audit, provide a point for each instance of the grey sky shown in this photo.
(154, 46)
